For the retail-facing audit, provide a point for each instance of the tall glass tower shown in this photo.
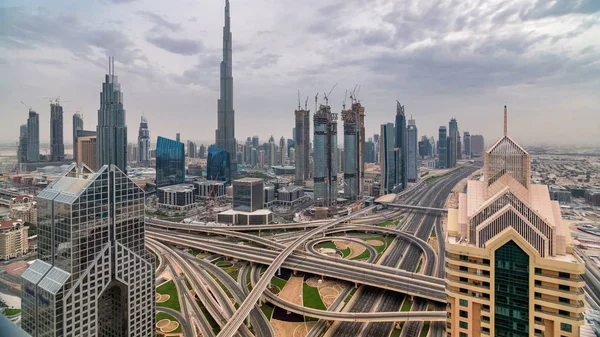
(77, 126)
(93, 275)
(170, 162)
(218, 166)
(111, 129)
(144, 143)
(401, 143)
(33, 137)
(57, 144)
(225, 133)
(324, 156)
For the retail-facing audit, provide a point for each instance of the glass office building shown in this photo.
(218, 165)
(170, 162)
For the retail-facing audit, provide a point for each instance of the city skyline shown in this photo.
(183, 51)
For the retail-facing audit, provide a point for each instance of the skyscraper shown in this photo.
(376, 144)
(369, 151)
(282, 151)
(510, 265)
(412, 167)
(467, 144)
(22, 150)
(302, 145)
(388, 158)
(225, 133)
(350, 161)
(202, 151)
(359, 109)
(218, 166)
(86, 151)
(324, 155)
(272, 152)
(111, 130)
(57, 144)
(33, 137)
(442, 148)
(143, 157)
(477, 146)
(77, 125)
(170, 162)
(93, 275)
(255, 142)
(452, 143)
(401, 141)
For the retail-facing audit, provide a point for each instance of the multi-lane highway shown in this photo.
(409, 266)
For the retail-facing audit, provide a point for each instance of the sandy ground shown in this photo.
(375, 243)
(16, 268)
(329, 290)
(291, 329)
(292, 291)
(162, 298)
(355, 248)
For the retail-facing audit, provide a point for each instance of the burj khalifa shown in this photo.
(225, 133)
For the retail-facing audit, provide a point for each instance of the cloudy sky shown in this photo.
(441, 59)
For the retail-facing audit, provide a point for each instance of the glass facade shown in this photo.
(512, 291)
(170, 162)
(93, 275)
(218, 165)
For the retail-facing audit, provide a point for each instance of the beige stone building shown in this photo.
(86, 152)
(23, 207)
(510, 266)
(13, 239)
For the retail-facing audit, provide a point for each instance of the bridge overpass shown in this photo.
(415, 207)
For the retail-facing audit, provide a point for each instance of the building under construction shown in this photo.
(325, 166)
(302, 146)
(354, 147)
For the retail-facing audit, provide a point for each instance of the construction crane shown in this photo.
(316, 97)
(344, 104)
(327, 95)
(28, 107)
(299, 100)
(306, 104)
(358, 92)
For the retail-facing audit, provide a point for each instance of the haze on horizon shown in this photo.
(441, 59)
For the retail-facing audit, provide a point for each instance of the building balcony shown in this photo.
(573, 280)
(577, 317)
(554, 303)
(470, 274)
(476, 297)
(574, 291)
(478, 284)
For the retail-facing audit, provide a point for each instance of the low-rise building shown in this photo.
(177, 197)
(13, 239)
(290, 195)
(258, 217)
(559, 193)
(23, 207)
(269, 196)
(593, 197)
(211, 189)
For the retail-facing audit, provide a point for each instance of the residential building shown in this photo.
(290, 195)
(33, 137)
(202, 151)
(192, 149)
(510, 265)
(388, 158)
(98, 280)
(132, 152)
(350, 157)
(143, 155)
(560, 194)
(218, 166)
(452, 143)
(225, 133)
(477, 146)
(170, 162)
(77, 126)
(425, 148)
(13, 239)
(86, 151)
(401, 143)
(57, 144)
(248, 194)
(412, 149)
(325, 166)
(111, 131)
(442, 148)
(282, 152)
(23, 207)
(369, 151)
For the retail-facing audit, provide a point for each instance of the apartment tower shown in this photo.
(57, 143)
(510, 266)
(325, 166)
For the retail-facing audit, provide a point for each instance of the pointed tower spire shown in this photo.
(505, 121)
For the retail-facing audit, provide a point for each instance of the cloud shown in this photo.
(159, 21)
(543, 8)
(176, 46)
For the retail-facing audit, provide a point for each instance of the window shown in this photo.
(486, 262)
(462, 334)
(538, 270)
(463, 314)
(564, 275)
(564, 300)
(564, 287)
(564, 313)
(538, 282)
(463, 303)
(566, 327)
(463, 325)
(463, 268)
(538, 295)
(464, 258)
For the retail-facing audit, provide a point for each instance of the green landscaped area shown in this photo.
(213, 324)
(280, 283)
(392, 222)
(330, 244)
(386, 242)
(267, 309)
(406, 305)
(311, 298)
(163, 315)
(425, 330)
(420, 265)
(173, 301)
(396, 332)
(363, 256)
(11, 311)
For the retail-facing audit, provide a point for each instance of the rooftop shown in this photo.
(249, 180)
(257, 212)
(9, 223)
(177, 188)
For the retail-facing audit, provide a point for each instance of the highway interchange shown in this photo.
(408, 268)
